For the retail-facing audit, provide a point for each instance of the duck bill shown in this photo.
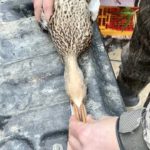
(79, 112)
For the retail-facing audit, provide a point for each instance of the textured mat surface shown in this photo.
(34, 108)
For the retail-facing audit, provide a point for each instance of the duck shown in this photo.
(71, 31)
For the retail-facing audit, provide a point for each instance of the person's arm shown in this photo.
(131, 131)
(45, 6)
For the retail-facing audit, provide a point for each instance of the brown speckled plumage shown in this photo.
(70, 26)
(71, 31)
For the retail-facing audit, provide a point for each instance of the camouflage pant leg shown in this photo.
(133, 71)
(135, 67)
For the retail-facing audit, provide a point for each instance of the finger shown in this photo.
(74, 144)
(104, 117)
(73, 118)
(90, 119)
(75, 127)
(48, 8)
(37, 9)
(69, 147)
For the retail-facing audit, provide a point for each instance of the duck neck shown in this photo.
(74, 81)
(71, 64)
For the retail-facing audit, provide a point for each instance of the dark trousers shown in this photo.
(135, 68)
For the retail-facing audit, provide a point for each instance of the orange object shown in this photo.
(117, 21)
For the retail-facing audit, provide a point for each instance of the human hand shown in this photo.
(97, 135)
(43, 5)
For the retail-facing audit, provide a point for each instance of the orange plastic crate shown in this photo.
(115, 22)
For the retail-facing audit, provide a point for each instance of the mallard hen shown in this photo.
(71, 31)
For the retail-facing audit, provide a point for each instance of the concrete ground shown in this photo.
(115, 57)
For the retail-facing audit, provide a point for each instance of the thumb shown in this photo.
(75, 127)
(90, 119)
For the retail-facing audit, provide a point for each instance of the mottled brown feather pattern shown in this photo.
(70, 26)
(71, 31)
